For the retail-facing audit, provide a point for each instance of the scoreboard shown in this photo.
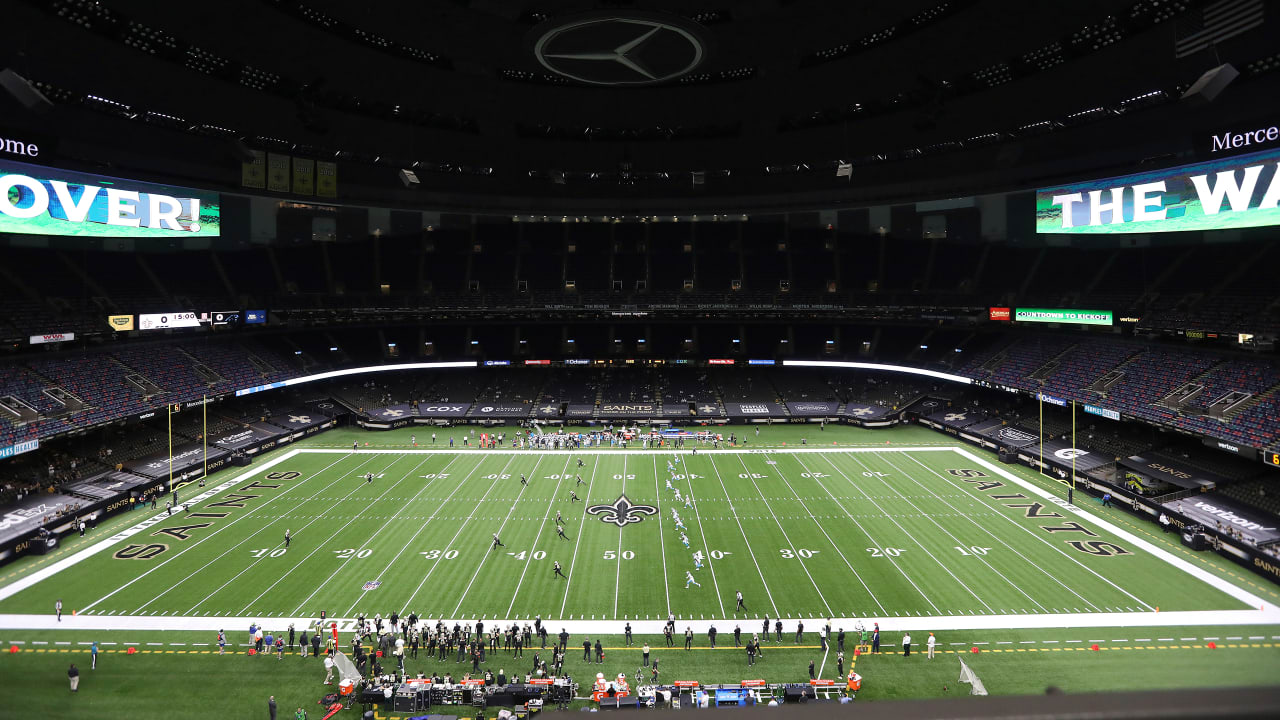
(1271, 457)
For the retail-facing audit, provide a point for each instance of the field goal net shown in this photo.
(346, 669)
(967, 675)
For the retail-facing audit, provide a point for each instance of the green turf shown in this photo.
(852, 534)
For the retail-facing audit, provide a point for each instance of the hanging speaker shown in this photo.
(24, 92)
(1210, 84)
(409, 178)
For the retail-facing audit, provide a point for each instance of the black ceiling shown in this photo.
(778, 93)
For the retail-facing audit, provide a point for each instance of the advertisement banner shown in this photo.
(999, 314)
(813, 409)
(1051, 400)
(497, 410)
(255, 317)
(19, 448)
(1227, 192)
(579, 411)
(1009, 436)
(440, 410)
(254, 174)
(754, 409)
(243, 438)
(1216, 510)
(277, 173)
(120, 323)
(37, 200)
(327, 179)
(1243, 451)
(1102, 412)
(304, 176)
(1061, 315)
(162, 321)
(628, 410)
(52, 338)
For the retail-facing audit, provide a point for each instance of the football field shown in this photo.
(933, 533)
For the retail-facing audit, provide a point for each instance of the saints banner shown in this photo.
(254, 174)
(327, 179)
(277, 173)
(304, 176)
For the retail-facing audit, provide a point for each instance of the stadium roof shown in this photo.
(634, 100)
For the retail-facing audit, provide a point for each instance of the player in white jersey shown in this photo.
(688, 580)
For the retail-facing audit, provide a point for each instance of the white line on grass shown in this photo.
(334, 534)
(423, 526)
(734, 511)
(833, 542)
(480, 565)
(993, 535)
(913, 537)
(253, 564)
(662, 545)
(463, 526)
(698, 516)
(534, 548)
(870, 537)
(576, 541)
(1208, 578)
(948, 533)
(617, 574)
(228, 525)
(1029, 531)
(786, 537)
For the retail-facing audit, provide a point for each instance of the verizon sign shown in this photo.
(52, 338)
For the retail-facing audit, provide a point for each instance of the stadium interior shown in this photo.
(267, 240)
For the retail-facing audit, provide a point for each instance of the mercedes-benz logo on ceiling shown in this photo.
(619, 50)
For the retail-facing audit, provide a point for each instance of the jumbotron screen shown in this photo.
(1232, 192)
(36, 200)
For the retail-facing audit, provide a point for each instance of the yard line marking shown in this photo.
(786, 537)
(697, 516)
(982, 527)
(448, 546)
(910, 535)
(253, 564)
(617, 576)
(833, 543)
(734, 511)
(344, 526)
(662, 544)
(480, 565)
(534, 548)
(573, 560)
(1057, 501)
(236, 481)
(425, 523)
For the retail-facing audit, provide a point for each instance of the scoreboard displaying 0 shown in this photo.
(161, 321)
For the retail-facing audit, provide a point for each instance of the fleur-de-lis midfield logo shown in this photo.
(622, 512)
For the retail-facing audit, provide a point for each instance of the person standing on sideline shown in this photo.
(644, 653)
(315, 644)
(586, 650)
(291, 636)
(875, 640)
(328, 670)
(599, 652)
(799, 631)
(271, 706)
(740, 606)
(355, 446)
(751, 648)
(737, 636)
(627, 634)
(74, 675)
(822, 638)
(711, 635)
(906, 645)
(812, 676)
(82, 527)
(932, 641)
(93, 656)
(303, 642)
(839, 664)
(840, 642)
(300, 714)
(222, 643)
(57, 606)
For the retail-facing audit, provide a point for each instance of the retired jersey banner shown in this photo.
(327, 179)
(304, 176)
(277, 173)
(254, 174)
(1229, 192)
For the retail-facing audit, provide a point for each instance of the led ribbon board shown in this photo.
(1230, 192)
(37, 200)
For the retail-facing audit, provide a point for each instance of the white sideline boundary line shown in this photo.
(1265, 614)
(21, 584)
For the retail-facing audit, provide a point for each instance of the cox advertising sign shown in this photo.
(38, 200)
